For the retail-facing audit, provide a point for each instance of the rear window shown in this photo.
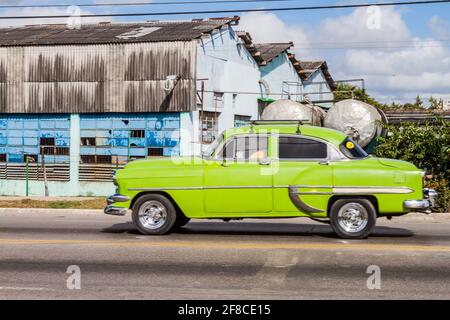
(352, 150)
(301, 148)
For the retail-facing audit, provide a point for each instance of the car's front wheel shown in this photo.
(154, 214)
(352, 218)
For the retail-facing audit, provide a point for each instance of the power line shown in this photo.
(346, 6)
(135, 4)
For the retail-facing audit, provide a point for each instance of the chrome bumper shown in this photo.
(426, 204)
(116, 211)
(117, 198)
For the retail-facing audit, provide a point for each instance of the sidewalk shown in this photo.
(410, 217)
(42, 198)
(52, 202)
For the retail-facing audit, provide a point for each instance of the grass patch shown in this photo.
(96, 203)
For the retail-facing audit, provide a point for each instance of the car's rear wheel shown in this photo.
(352, 218)
(154, 214)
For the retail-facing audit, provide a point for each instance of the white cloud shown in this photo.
(364, 25)
(43, 12)
(267, 27)
(439, 26)
(396, 66)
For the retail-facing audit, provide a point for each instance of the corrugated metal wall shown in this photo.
(97, 78)
(35, 136)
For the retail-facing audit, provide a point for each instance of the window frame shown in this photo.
(299, 136)
(217, 154)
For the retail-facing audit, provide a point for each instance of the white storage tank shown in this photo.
(290, 110)
(357, 119)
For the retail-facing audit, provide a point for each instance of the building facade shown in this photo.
(76, 104)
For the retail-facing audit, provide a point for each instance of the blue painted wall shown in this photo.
(20, 134)
(113, 134)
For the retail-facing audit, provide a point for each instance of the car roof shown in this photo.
(333, 136)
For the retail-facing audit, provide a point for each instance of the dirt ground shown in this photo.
(53, 203)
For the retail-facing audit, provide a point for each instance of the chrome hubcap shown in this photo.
(152, 214)
(353, 217)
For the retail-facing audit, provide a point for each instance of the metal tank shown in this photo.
(290, 110)
(356, 119)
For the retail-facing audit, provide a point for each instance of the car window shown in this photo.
(245, 148)
(301, 148)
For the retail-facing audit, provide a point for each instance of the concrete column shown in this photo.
(189, 133)
(74, 151)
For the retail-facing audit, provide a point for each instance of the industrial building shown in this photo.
(285, 76)
(75, 104)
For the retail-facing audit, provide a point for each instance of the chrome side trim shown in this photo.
(207, 188)
(378, 190)
(358, 189)
(335, 190)
(293, 195)
(165, 188)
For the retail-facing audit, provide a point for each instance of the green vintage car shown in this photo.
(271, 170)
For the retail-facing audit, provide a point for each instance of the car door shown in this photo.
(302, 175)
(238, 181)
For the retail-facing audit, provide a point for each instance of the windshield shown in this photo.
(352, 150)
(209, 152)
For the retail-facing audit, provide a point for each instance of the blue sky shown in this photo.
(410, 51)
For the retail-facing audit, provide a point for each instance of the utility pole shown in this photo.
(44, 171)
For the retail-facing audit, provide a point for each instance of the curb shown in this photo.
(410, 217)
(50, 211)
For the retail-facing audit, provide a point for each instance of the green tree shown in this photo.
(427, 146)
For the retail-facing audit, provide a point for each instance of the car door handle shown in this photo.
(324, 163)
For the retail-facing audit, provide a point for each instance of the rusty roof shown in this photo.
(308, 68)
(270, 50)
(152, 31)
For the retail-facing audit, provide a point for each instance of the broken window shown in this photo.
(137, 133)
(240, 121)
(48, 150)
(104, 159)
(209, 126)
(218, 100)
(96, 159)
(88, 141)
(31, 157)
(87, 159)
(47, 141)
(155, 152)
(62, 151)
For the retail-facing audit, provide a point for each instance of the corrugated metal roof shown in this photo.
(102, 33)
(421, 116)
(129, 77)
(270, 50)
(308, 68)
(266, 52)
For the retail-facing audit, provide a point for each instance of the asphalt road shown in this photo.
(249, 259)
